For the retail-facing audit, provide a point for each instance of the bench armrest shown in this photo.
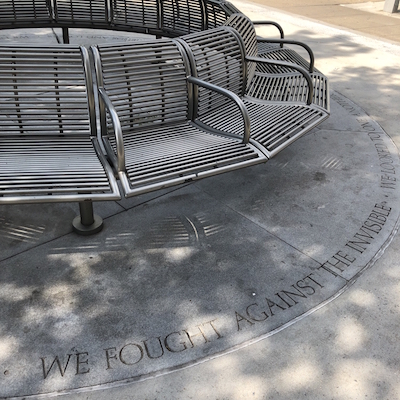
(230, 95)
(271, 23)
(289, 65)
(117, 129)
(294, 42)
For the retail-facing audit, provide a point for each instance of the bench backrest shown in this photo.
(217, 12)
(136, 15)
(20, 13)
(45, 91)
(82, 12)
(247, 32)
(146, 82)
(246, 29)
(179, 17)
(216, 56)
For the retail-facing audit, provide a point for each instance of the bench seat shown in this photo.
(49, 169)
(166, 156)
(289, 86)
(146, 106)
(274, 126)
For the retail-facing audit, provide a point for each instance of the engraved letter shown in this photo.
(147, 349)
(168, 347)
(290, 294)
(240, 318)
(219, 336)
(57, 361)
(190, 337)
(289, 305)
(108, 356)
(253, 317)
(272, 304)
(79, 362)
(301, 286)
(123, 360)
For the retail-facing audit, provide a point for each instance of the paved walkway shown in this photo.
(170, 300)
(366, 17)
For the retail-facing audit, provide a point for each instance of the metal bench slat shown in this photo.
(84, 12)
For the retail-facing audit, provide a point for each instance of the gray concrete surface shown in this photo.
(365, 17)
(187, 271)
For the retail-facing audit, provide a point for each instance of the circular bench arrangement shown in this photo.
(210, 98)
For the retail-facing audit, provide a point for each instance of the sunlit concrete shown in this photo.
(348, 348)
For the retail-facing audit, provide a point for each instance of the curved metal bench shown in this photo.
(146, 111)
(171, 110)
(217, 56)
(49, 150)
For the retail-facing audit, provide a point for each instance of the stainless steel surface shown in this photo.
(232, 96)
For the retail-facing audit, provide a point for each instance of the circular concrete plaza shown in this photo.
(187, 274)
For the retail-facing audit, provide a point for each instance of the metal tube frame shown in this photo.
(105, 105)
(293, 42)
(120, 166)
(278, 26)
(232, 96)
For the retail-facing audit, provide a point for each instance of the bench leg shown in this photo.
(87, 223)
(391, 6)
(65, 35)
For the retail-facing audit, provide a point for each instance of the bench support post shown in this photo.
(65, 35)
(391, 6)
(87, 223)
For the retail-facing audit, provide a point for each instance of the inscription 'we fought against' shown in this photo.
(133, 353)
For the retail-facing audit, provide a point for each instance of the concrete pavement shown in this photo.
(365, 17)
(187, 271)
